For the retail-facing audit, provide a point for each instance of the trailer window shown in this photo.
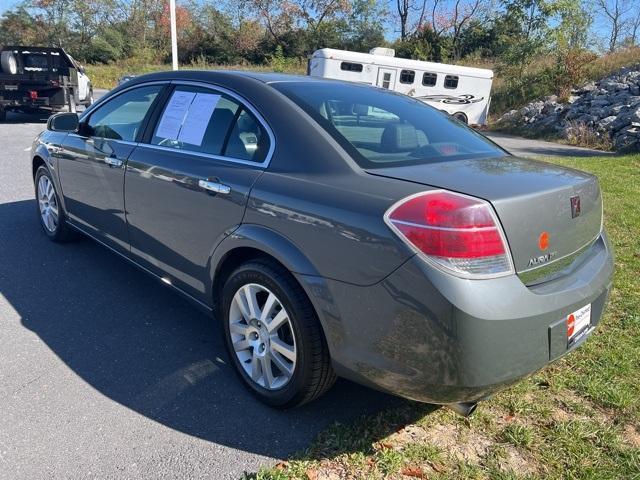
(407, 76)
(429, 79)
(451, 81)
(351, 67)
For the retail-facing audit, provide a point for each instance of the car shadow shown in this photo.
(148, 349)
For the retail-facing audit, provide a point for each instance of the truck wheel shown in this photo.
(90, 99)
(8, 63)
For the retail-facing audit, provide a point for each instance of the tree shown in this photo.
(20, 27)
(525, 34)
(463, 13)
(403, 7)
(571, 47)
(614, 13)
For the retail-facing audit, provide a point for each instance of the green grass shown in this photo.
(577, 419)
(107, 76)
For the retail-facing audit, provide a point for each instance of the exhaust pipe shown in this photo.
(464, 409)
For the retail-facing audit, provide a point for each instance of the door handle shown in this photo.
(113, 162)
(214, 187)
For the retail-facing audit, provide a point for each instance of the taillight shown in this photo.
(33, 94)
(457, 233)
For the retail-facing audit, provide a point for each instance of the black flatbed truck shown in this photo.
(40, 78)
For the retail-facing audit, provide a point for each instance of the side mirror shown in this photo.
(63, 122)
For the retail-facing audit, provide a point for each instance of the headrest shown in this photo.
(399, 137)
(360, 109)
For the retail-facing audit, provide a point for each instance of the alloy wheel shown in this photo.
(48, 202)
(262, 336)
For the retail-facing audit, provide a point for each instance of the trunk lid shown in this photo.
(530, 197)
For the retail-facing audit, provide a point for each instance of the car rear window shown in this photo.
(383, 129)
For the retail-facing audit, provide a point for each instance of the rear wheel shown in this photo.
(52, 217)
(273, 335)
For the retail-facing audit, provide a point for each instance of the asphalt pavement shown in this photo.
(105, 373)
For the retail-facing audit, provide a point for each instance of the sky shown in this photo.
(599, 25)
(7, 4)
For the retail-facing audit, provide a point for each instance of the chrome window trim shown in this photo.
(211, 86)
(244, 103)
(205, 155)
(122, 142)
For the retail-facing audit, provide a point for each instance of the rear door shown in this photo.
(187, 185)
(92, 164)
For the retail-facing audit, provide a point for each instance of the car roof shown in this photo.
(216, 75)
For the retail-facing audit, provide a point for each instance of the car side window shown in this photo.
(122, 117)
(195, 119)
(248, 139)
(198, 119)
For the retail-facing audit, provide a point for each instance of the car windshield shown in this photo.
(384, 129)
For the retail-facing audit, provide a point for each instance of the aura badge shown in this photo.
(575, 206)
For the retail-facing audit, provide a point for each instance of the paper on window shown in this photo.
(197, 120)
(174, 115)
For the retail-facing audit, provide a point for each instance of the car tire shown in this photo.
(8, 63)
(90, 99)
(53, 224)
(305, 372)
(3, 115)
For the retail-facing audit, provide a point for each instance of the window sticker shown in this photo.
(174, 115)
(197, 119)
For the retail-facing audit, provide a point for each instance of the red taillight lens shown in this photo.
(33, 94)
(458, 233)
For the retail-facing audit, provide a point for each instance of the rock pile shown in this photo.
(609, 109)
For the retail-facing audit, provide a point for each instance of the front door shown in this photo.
(187, 184)
(386, 78)
(92, 165)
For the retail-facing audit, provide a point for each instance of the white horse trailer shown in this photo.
(463, 92)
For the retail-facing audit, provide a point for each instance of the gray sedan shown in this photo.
(335, 230)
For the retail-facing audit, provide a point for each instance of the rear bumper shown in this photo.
(432, 337)
(47, 98)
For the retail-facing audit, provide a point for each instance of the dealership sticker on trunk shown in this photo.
(578, 323)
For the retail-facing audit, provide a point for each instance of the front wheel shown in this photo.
(273, 335)
(52, 217)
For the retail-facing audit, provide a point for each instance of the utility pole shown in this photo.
(174, 37)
